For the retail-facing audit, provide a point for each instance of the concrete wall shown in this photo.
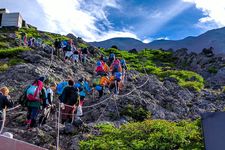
(12, 20)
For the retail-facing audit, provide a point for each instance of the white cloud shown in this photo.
(81, 18)
(214, 11)
(156, 20)
(162, 38)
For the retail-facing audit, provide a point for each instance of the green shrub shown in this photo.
(137, 113)
(150, 134)
(3, 67)
(11, 52)
(212, 70)
(4, 45)
(15, 61)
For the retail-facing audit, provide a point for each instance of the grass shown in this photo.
(159, 63)
(12, 52)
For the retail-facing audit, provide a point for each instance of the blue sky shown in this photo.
(146, 20)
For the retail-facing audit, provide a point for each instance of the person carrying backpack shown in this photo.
(116, 66)
(75, 56)
(35, 95)
(48, 104)
(5, 101)
(100, 83)
(124, 68)
(100, 69)
(60, 87)
(69, 100)
(115, 82)
(84, 55)
(84, 88)
(69, 51)
(112, 58)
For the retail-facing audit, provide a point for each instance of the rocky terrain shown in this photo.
(162, 99)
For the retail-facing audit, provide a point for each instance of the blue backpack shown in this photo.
(118, 76)
(60, 87)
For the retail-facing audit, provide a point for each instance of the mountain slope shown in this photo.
(121, 43)
(213, 38)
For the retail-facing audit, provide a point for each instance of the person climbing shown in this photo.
(24, 38)
(115, 82)
(75, 56)
(56, 46)
(84, 54)
(68, 50)
(60, 87)
(112, 58)
(5, 101)
(124, 68)
(116, 66)
(48, 104)
(84, 88)
(100, 83)
(105, 66)
(69, 99)
(36, 94)
(100, 69)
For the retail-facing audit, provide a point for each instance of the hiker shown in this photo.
(35, 94)
(68, 50)
(112, 58)
(105, 66)
(57, 47)
(5, 101)
(60, 87)
(115, 82)
(47, 104)
(100, 83)
(84, 54)
(100, 69)
(84, 88)
(75, 56)
(69, 99)
(116, 66)
(124, 68)
(24, 38)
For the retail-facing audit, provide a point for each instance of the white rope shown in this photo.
(11, 109)
(3, 121)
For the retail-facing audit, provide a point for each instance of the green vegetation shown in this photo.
(11, 52)
(150, 134)
(3, 45)
(212, 70)
(160, 63)
(137, 113)
(48, 38)
(3, 67)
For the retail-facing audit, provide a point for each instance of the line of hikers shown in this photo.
(70, 51)
(109, 78)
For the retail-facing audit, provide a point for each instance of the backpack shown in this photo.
(96, 81)
(118, 76)
(23, 100)
(33, 92)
